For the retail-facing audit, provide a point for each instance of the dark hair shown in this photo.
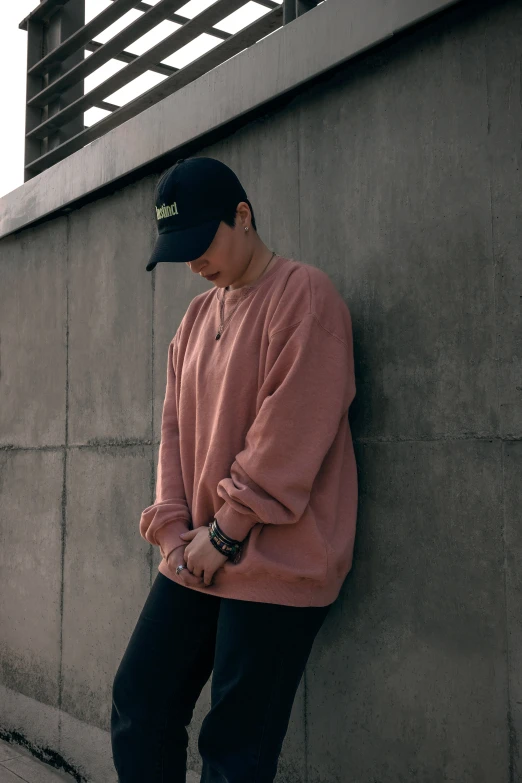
(230, 216)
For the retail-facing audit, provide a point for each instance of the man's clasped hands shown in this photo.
(199, 555)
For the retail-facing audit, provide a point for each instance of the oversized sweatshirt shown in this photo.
(255, 432)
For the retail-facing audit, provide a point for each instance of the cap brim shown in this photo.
(180, 246)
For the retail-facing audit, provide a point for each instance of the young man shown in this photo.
(256, 494)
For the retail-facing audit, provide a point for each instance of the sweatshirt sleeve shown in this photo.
(307, 390)
(169, 515)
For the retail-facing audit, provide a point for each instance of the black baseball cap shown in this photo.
(191, 199)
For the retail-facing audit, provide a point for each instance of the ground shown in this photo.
(17, 764)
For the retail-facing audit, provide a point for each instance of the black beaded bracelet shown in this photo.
(227, 549)
(224, 544)
(220, 547)
(220, 532)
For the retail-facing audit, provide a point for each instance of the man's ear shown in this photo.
(242, 211)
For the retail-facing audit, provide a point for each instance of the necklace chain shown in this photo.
(223, 323)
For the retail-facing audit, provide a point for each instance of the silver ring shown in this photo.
(180, 568)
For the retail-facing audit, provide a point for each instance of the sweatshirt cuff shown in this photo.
(168, 536)
(233, 524)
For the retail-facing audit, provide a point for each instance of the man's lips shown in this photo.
(211, 277)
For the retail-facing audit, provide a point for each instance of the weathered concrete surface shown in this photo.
(512, 470)
(31, 571)
(397, 154)
(114, 564)
(110, 312)
(408, 682)
(398, 177)
(33, 312)
(504, 88)
(421, 217)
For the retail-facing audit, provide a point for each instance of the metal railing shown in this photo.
(58, 38)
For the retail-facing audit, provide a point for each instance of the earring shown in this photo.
(246, 228)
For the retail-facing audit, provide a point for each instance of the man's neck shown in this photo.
(265, 266)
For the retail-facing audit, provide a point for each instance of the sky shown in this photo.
(13, 53)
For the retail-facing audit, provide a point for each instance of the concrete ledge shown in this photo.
(316, 42)
(43, 732)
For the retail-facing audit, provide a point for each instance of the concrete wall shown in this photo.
(399, 175)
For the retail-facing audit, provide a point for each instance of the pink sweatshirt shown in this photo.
(255, 432)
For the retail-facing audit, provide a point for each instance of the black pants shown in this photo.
(257, 652)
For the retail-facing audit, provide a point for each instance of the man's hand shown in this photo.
(201, 556)
(176, 559)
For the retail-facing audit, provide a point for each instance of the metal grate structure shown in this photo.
(57, 65)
